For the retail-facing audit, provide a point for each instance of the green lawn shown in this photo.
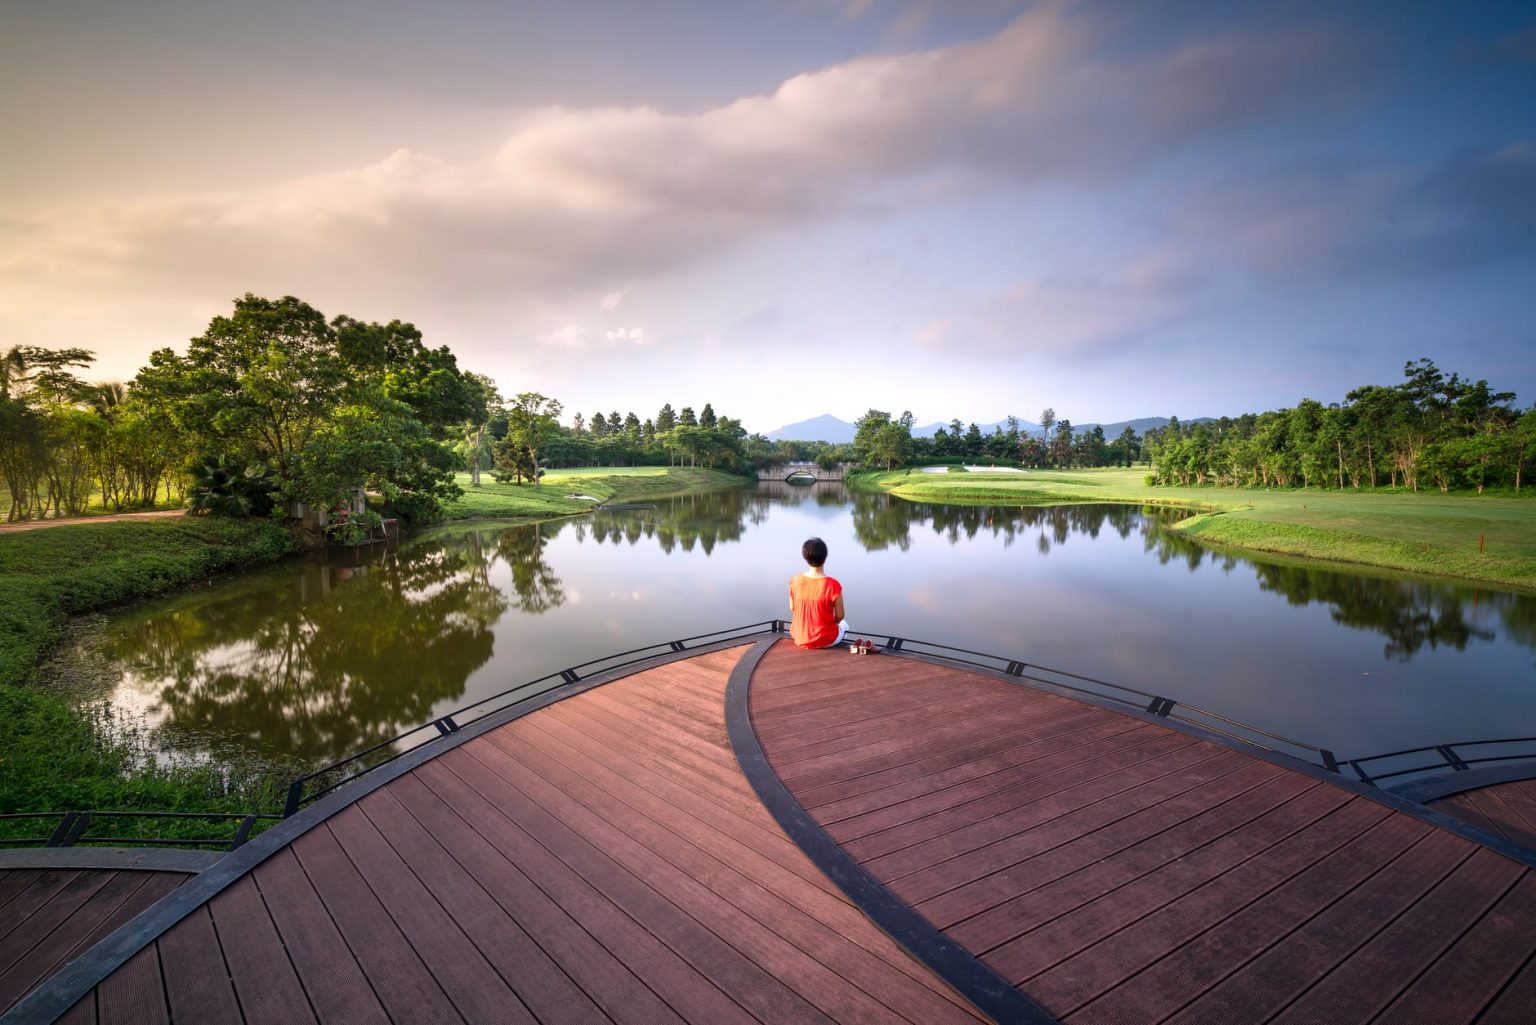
(1423, 532)
(95, 508)
(605, 483)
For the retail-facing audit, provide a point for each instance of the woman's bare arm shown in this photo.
(837, 609)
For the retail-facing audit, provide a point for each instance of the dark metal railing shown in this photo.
(1146, 701)
(72, 828)
(300, 792)
(1458, 757)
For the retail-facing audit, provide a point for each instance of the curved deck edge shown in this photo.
(1397, 801)
(1452, 783)
(120, 859)
(78, 978)
(989, 992)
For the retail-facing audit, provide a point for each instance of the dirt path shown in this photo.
(68, 520)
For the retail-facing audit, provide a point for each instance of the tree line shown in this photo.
(530, 423)
(270, 406)
(883, 441)
(1429, 431)
(276, 406)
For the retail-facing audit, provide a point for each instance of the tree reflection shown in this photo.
(1412, 615)
(323, 663)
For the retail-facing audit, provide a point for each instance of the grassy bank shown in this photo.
(1423, 532)
(605, 483)
(58, 756)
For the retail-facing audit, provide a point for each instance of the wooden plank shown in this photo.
(338, 990)
(957, 740)
(952, 859)
(523, 965)
(197, 983)
(1517, 1004)
(800, 736)
(647, 894)
(54, 931)
(1070, 962)
(679, 699)
(653, 732)
(750, 826)
(41, 890)
(1048, 749)
(765, 855)
(846, 684)
(722, 661)
(478, 793)
(264, 978)
(638, 706)
(609, 981)
(132, 995)
(82, 1013)
(1155, 966)
(1051, 883)
(1009, 865)
(875, 782)
(719, 784)
(1360, 987)
(719, 769)
(882, 728)
(1095, 900)
(817, 949)
(1475, 970)
(402, 983)
(1004, 803)
(479, 993)
(1463, 807)
(1337, 914)
(155, 885)
(12, 882)
(1505, 805)
(746, 983)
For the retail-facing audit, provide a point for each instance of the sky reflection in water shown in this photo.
(322, 657)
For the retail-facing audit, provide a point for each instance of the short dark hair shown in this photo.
(814, 551)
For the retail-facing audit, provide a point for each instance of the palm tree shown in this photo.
(46, 369)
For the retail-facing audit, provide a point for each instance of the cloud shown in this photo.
(574, 200)
(1064, 315)
(625, 334)
(1329, 222)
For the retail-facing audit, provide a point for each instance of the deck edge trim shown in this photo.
(111, 859)
(1450, 784)
(1397, 802)
(79, 977)
(987, 991)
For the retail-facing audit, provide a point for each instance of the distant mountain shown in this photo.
(830, 429)
(820, 428)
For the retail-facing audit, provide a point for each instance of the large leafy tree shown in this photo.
(324, 406)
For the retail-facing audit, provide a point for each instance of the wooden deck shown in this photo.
(1115, 870)
(1505, 809)
(600, 860)
(609, 857)
(48, 916)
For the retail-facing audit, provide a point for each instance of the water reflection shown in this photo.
(330, 657)
(321, 658)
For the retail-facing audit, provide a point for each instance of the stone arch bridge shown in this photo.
(802, 471)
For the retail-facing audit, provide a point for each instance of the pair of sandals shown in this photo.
(864, 647)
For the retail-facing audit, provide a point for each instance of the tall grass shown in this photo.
(56, 754)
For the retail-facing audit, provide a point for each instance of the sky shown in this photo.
(961, 208)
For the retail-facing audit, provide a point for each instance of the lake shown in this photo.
(316, 658)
